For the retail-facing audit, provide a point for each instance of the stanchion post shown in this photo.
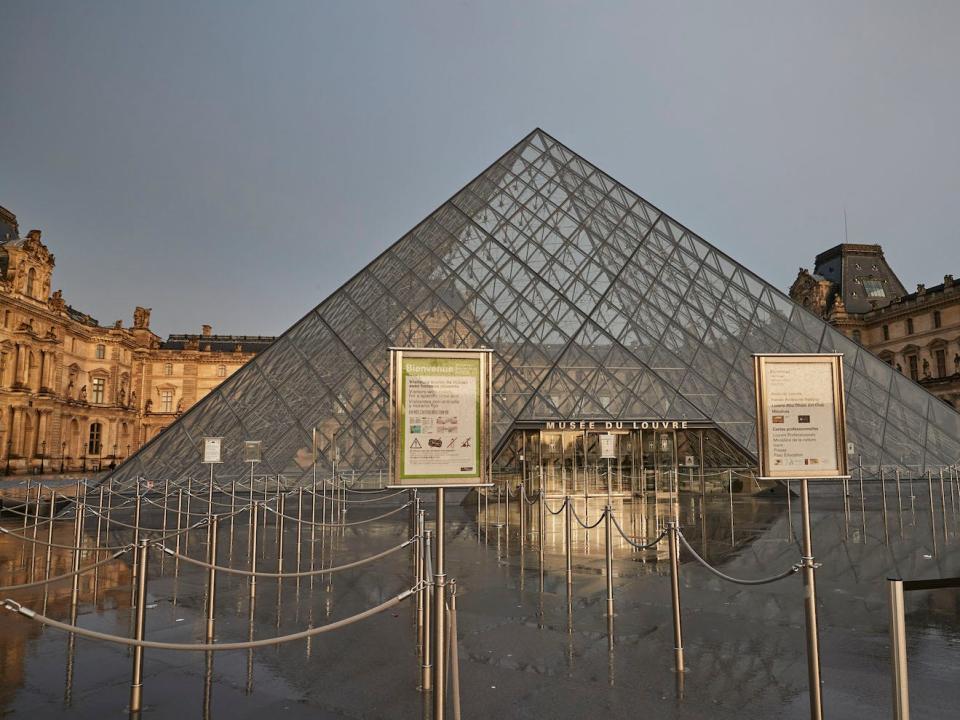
(898, 650)
(568, 541)
(608, 527)
(810, 606)
(254, 511)
(136, 682)
(426, 666)
(440, 615)
(542, 530)
(77, 539)
(454, 652)
(211, 574)
(674, 550)
(522, 503)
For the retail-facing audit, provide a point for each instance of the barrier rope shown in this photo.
(632, 543)
(739, 581)
(58, 545)
(583, 524)
(16, 607)
(305, 573)
(333, 498)
(58, 578)
(559, 510)
(335, 525)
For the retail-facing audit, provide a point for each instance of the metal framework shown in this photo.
(596, 304)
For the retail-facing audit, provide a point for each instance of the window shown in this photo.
(874, 288)
(98, 387)
(886, 332)
(6, 318)
(936, 318)
(168, 369)
(912, 362)
(909, 326)
(101, 352)
(93, 444)
(940, 357)
(31, 281)
(856, 336)
(166, 401)
(221, 370)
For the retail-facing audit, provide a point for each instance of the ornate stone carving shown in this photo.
(141, 317)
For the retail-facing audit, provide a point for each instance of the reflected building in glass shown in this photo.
(605, 314)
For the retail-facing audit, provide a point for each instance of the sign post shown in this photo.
(608, 451)
(801, 433)
(440, 438)
(212, 450)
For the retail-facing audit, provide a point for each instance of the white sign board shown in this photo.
(252, 451)
(800, 416)
(608, 446)
(440, 417)
(211, 450)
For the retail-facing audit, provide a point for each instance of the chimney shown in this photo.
(207, 331)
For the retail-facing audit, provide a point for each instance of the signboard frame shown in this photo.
(249, 445)
(764, 429)
(208, 443)
(399, 358)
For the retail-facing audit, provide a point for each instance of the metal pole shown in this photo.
(522, 503)
(454, 652)
(211, 574)
(898, 651)
(254, 511)
(136, 683)
(899, 504)
(933, 519)
(943, 509)
(541, 527)
(568, 541)
(421, 577)
(439, 615)
(210, 494)
(674, 550)
(77, 539)
(883, 493)
(609, 558)
(426, 668)
(810, 607)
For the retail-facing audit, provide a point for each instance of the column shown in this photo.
(16, 431)
(20, 364)
(43, 424)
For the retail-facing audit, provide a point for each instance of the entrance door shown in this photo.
(659, 461)
(607, 473)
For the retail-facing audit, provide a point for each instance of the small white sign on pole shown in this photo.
(212, 450)
(608, 446)
(252, 451)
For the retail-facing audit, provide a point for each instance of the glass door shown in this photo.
(551, 462)
(665, 461)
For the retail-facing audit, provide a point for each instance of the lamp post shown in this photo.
(63, 451)
(43, 453)
(9, 450)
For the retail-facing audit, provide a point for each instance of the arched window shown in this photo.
(95, 438)
(31, 281)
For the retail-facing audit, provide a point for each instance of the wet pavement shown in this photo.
(524, 652)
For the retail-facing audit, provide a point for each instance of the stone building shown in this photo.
(78, 395)
(918, 333)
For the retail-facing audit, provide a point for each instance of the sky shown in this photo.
(233, 163)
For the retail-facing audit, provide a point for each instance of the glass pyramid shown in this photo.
(597, 305)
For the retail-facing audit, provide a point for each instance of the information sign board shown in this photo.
(608, 446)
(252, 450)
(439, 417)
(801, 429)
(211, 450)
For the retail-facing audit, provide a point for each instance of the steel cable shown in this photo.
(205, 647)
(304, 573)
(57, 578)
(637, 545)
(762, 581)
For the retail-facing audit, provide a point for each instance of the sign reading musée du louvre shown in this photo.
(440, 422)
(800, 415)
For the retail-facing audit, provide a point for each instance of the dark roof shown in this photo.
(219, 343)
(864, 279)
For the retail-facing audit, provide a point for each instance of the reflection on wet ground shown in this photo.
(524, 653)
